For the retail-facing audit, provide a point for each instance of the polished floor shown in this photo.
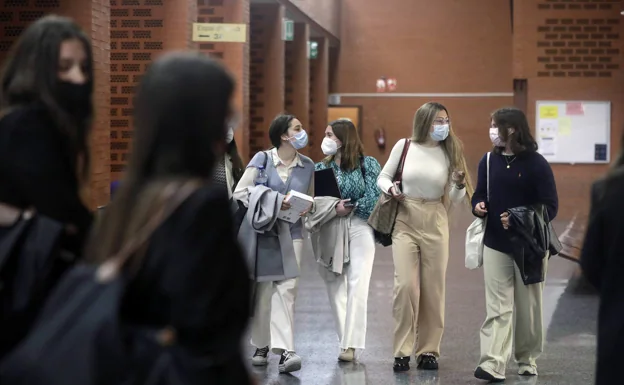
(570, 312)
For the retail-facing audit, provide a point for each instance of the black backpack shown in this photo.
(79, 337)
(31, 264)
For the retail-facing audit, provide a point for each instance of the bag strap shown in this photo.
(398, 176)
(488, 176)
(173, 196)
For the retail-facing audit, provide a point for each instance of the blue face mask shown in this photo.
(300, 140)
(440, 132)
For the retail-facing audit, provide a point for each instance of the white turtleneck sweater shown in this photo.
(425, 173)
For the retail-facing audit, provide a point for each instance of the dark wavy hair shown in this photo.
(521, 140)
(30, 75)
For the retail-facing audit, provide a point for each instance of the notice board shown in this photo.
(574, 131)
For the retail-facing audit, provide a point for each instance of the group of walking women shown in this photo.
(434, 179)
(193, 275)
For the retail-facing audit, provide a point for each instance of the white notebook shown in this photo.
(299, 203)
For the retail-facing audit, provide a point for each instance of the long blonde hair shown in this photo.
(452, 145)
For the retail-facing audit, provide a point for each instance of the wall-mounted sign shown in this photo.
(220, 32)
(381, 84)
(312, 50)
(288, 30)
(392, 84)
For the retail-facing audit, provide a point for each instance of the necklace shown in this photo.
(509, 162)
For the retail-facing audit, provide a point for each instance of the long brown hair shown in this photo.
(452, 145)
(352, 148)
(180, 124)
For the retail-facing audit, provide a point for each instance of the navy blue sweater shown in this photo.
(528, 180)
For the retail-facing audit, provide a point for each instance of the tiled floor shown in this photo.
(570, 312)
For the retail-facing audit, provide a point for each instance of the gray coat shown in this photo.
(265, 240)
(329, 234)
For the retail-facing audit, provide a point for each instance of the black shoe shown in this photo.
(483, 375)
(401, 364)
(428, 362)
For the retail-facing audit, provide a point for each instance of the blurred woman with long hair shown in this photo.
(601, 260)
(192, 275)
(45, 120)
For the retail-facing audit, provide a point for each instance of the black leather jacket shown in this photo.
(532, 236)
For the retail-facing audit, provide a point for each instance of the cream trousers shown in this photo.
(507, 296)
(420, 250)
(273, 323)
(348, 292)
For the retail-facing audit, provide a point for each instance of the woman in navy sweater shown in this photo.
(519, 176)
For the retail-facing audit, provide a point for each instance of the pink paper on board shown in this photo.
(575, 108)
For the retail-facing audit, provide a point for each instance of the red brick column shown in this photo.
(235, 56)
(319, 90)
(180, 16)
(298, 76)
(266, 72)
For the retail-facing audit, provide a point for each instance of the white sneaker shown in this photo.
(261, 357)
(527, 370)
(290, 362)
(347, 355)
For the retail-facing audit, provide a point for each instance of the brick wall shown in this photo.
(297, 70)
(138, 35)
(319, 87)
(266, 79)
(571, 51)
(235, 56)
(468, 46)
(452, 47)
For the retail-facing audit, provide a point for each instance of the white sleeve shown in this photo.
(456, 195)
(386, 177)
(241, 193)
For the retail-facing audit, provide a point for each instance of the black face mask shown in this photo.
(75, 99)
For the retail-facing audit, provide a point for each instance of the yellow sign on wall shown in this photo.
(220, 32)
(548, 112)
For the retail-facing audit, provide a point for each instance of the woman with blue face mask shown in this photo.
(282, 169)
(435, 177)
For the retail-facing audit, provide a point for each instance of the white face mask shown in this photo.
(229, 136)
(495, 138)
(329, 146)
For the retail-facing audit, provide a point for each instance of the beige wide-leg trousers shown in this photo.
(273, 323)
(505, 290)
(420, 249)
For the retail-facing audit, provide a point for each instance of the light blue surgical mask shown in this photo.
(300, 140)
(440, 132)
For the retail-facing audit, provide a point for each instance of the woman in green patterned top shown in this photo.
(357, 179)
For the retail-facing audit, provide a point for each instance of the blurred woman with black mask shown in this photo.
(45, 119)
(45, 115)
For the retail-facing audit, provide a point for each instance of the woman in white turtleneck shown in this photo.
(434, 177)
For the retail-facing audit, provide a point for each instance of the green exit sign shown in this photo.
(288, 30)
(312, 50)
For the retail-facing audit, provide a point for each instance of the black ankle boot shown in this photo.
(428, 362)
(401, 364)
